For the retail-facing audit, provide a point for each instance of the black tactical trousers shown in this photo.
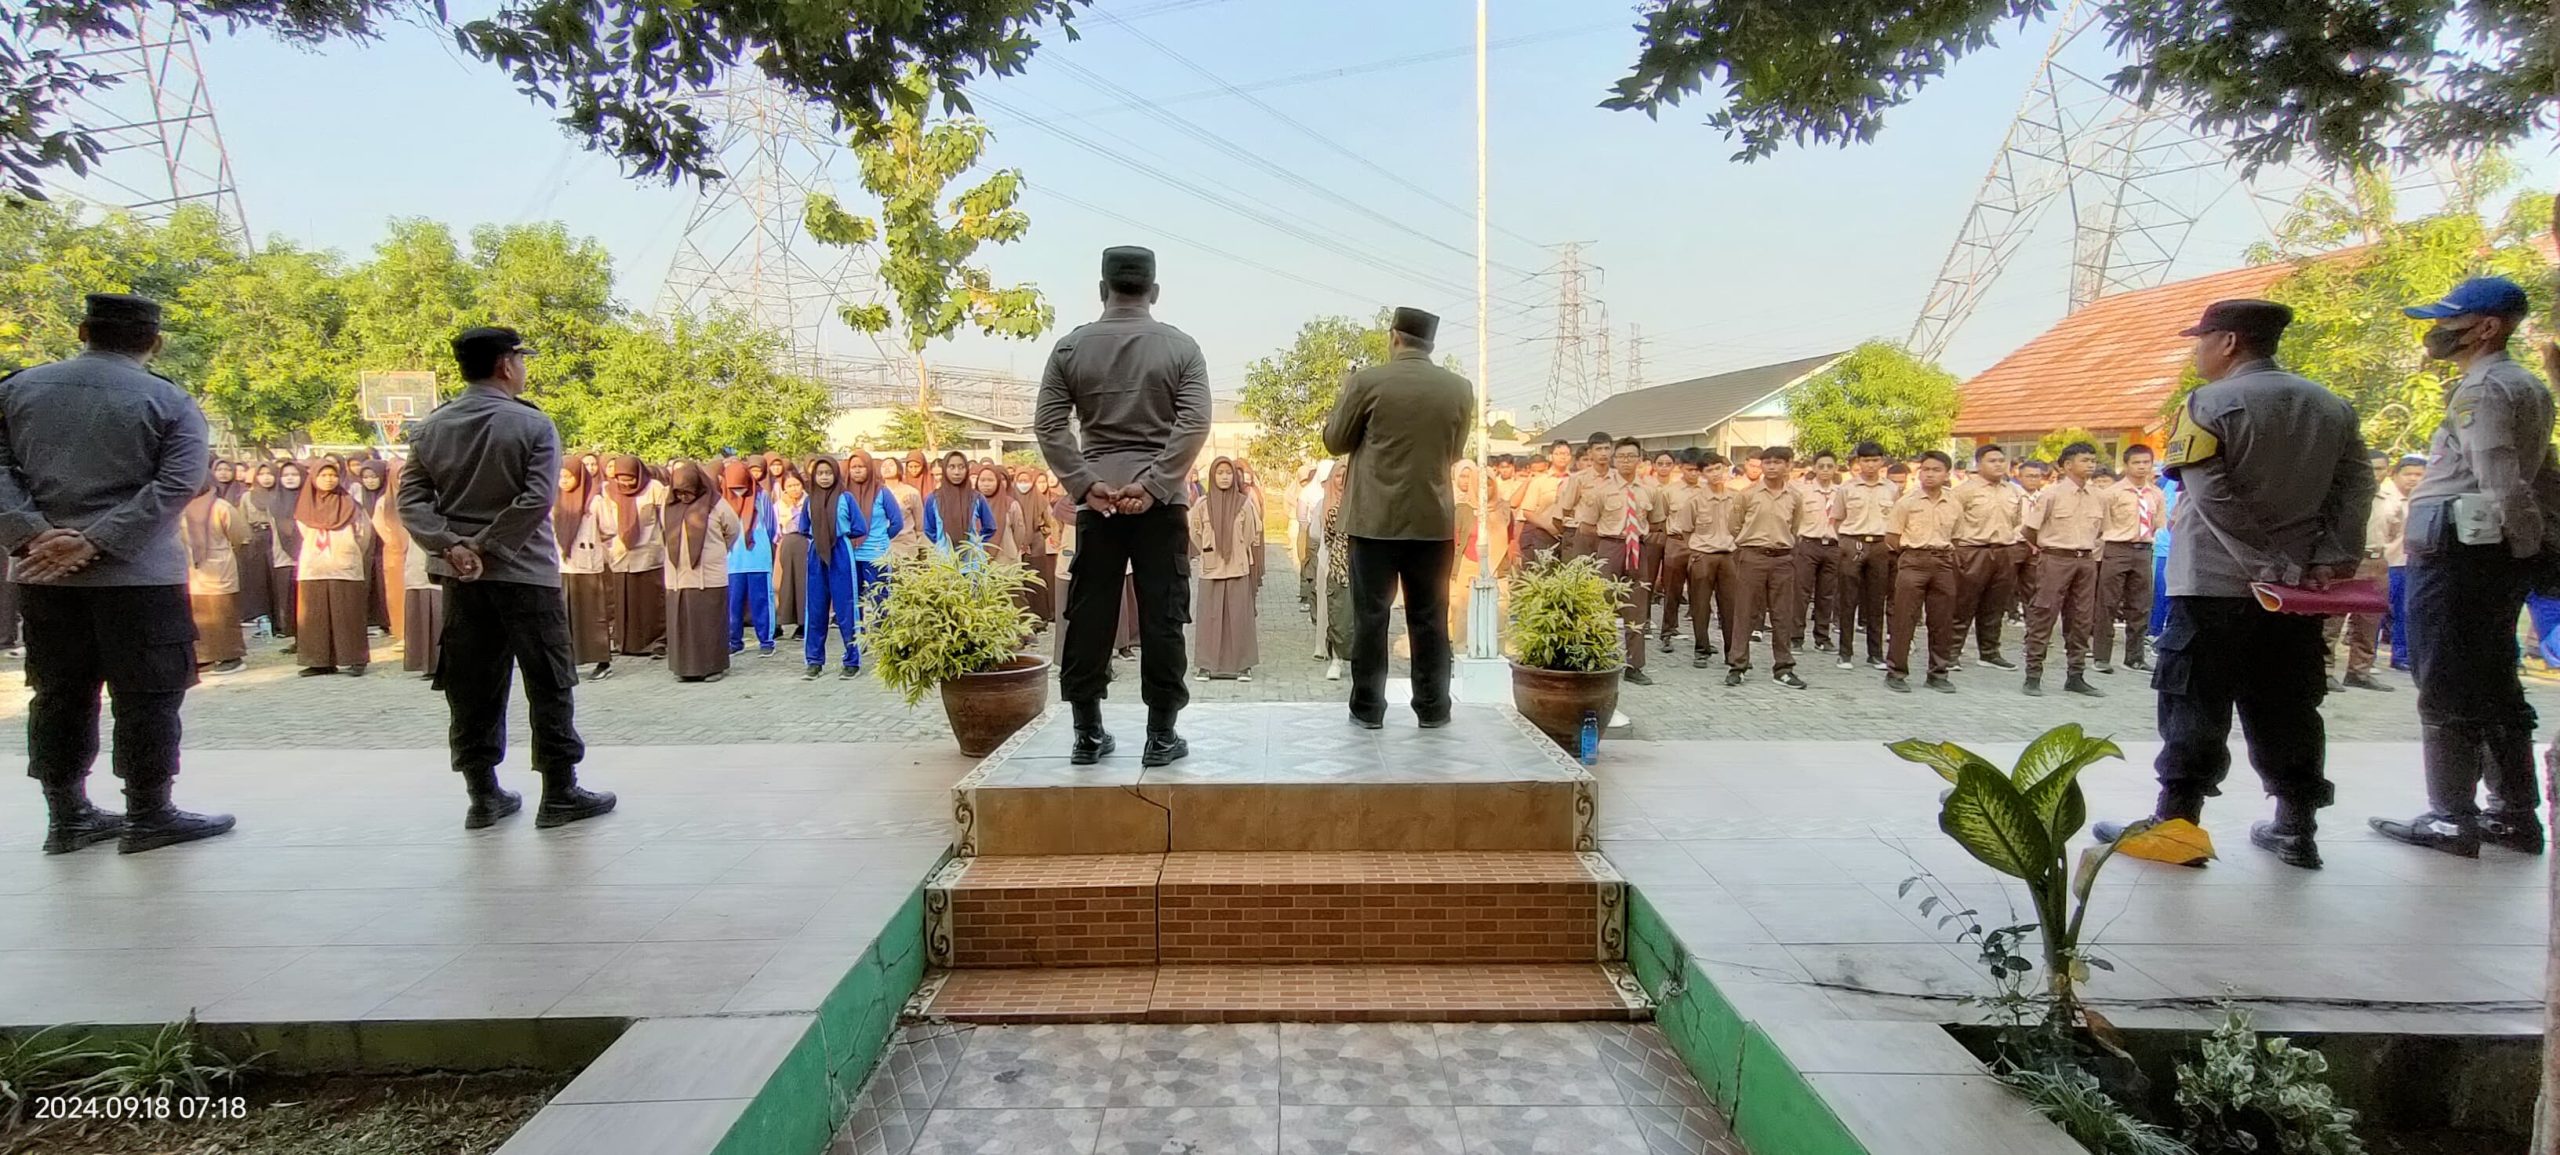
(2218, 655)
(490, 629)
(136, 643)
(1152, 549)
(2472, 714)
(1378, 567)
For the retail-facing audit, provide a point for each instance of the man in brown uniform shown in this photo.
(1610, 512)
(2063, 528)
(1766, 517)
(1540, 532)
(1702, 518)
(1658, 480)
(1922, 534)
(1990, 547)
(1671, 580)
(2136, 509)
(1818, 551)
(1859, 510)
(1593, 467)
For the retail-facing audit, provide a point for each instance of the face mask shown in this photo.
(1022, 487)
(2442, 344)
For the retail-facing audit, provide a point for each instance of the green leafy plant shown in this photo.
(174, 1061)
(948, 613)
(38, 1064)
(2020, 822)
(2245, 1093)
(1564, 616)
(2073, 1100)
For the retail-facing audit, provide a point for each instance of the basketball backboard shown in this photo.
(391, 399)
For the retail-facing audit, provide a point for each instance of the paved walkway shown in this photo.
(764, 700)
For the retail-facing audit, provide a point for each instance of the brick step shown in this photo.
(1322, 993)
(1275, 907)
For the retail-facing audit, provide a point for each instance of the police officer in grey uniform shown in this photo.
(1123, 411)
(2273, 488)
(2476, 532)
(98, 458)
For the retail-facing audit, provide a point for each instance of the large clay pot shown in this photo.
(986, 708)
(1555, 700)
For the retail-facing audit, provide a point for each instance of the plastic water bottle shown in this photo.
(1590, 737)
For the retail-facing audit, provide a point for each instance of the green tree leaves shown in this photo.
(1290, 393)
(1880, 392)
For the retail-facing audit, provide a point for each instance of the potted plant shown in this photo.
(951, 622)
(1567, 637)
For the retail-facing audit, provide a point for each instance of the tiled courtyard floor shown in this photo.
(1285, 1089)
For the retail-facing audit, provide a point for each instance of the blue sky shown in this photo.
(1724, 265)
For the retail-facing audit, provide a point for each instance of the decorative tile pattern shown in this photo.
(1199, 1066)
(1377, 1064)
(1010, 1132)
(1546, 1130)
(1433, 906)
(1035, 1066)
(1515, 1064)
(1222, 1130)
(912, 1075)
(1370, 1130)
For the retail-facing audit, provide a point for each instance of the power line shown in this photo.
(1318, 76)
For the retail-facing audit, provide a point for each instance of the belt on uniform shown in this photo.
(2142, 545)
(1863, 536)
(1982, 545)
(2071, 552)
(1820, 540)
(1771, 550)
(2372, 554)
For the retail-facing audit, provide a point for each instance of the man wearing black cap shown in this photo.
(483, 471)
(2274, 489)
(1403, 424)
(1123, 412)
(2478, 532)
(98, 458)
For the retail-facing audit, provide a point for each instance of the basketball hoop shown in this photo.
(391, 429)
(394, 399)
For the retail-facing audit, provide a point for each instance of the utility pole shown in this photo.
(1635, 355)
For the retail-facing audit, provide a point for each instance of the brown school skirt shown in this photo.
(790, 581)
(590, 598)
(331, 630)
(422, 620)
(640, 612)
(218, 637)
(697, 632)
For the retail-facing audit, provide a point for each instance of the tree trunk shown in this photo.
(924, 395)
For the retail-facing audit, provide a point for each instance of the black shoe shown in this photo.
(169, 827)
(1164, 749)
(1666, 643)
(2366, 682)
(575, 804)
(2137, 663)
(2290, 846)
(1638, 677)
(2521, 832)
(1733, 677)
(1368, 723)
(2078, 684)
(2104, 668)
(1788, 679)
(83, 825)
(1439, 723)
(355, 671)
(1940, 683)
(1703, 661)
(602, 671)
(2034, 687)
(233, 666)
(849, 673)
(1091, 746)
(1897, 683)
(815, 672)
(1997, 662)
(487, 809)
(2459, 837)
(315, 671)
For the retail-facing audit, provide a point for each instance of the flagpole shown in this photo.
(1484, 611)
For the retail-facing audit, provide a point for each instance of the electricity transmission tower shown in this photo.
(1635, 355)
(161, 148)
(744, 247)
(2135, 181)
(1571, 385)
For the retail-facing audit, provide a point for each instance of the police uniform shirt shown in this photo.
(1989, 512)
(1921, 521)
(1124, 400)
(2272, 478)
(2072, 515)
(2135, 514)
(2495, 441)
(1703, 517)
(1767, 518)
(483, 470)
(100, 444)
(1862, 508)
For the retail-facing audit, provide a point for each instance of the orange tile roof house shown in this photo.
(2107, 368)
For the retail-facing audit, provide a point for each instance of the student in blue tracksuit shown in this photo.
(956, 506)
(834, 527)
(874, 504)
(750, 557)
(2160, 556)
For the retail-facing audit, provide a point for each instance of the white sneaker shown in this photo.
(1202, 676)
(1244, 677)
(1333, 670)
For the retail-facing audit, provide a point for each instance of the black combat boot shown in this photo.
(1093, 743)
(2512, 819)
(489, 801)
(150, 822)
(2290, 836)
(564, 801)
(72, 821)
(1164, 747)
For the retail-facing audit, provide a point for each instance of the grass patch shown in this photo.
(325, 1115)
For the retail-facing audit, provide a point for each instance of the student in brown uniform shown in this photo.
(1766, 517)
(1818, 551)
(1990, 547)
(213, 530)
(1662, 473)
(2136, 509)
(636, 556)
(2033, 476)
(1609, 512)
(1671, 581)
(1922, 535)
(2063, 528)
(1702, 519)
(1596, 460)
(1859, 509)
(1541, 530)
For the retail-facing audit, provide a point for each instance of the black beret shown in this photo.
(1129, 263)
(123, 309)
(1416, 324)
(2260, 319)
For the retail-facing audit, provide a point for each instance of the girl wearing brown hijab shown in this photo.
(248, 500)
(955, 512)
(993, 484)
(576, 523)
(1227, 528)
(370, 477)
(636, 556)
(284, 552)
(790, 556)
(214, 531)
(417, 607)
(336, 539)
(1036, 530)
(698, 529)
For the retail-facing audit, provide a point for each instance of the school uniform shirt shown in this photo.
(215, 569)
(1817, 513)
(334, 554)
(1610, 505)
(647, 550)
(584, 552)
(2388, 527)
(722, 529)
(1921, 521)
(2135, 515)
(2068, 515)
(751, 549)
(1703, 516)
(1861, 509)
(1991, 512)
(1766, 518)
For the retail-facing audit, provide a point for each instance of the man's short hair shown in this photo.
(1825, 455)
(1628, 443)
(1982, 451)
(2038, 464)
(1597, 440)
(1940, 458)
(1867, 449)
(2137, 449)
(2076, 449)
(1777, 453)
(1557, 444)
(1709, 458)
